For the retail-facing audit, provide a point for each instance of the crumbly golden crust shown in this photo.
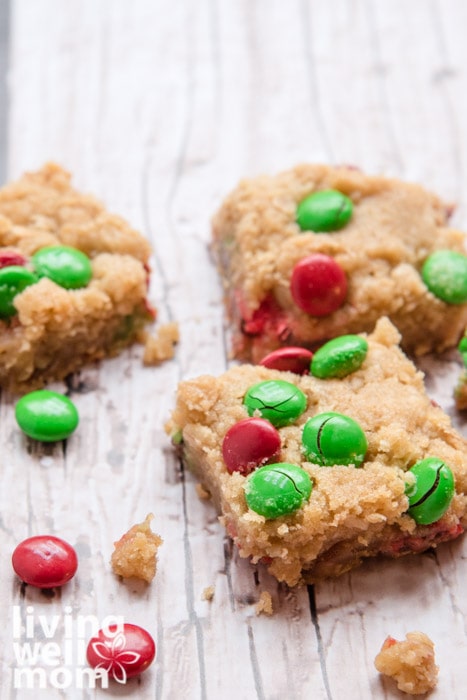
(411, 663)
(56, 330)
(460, 392)
(352, 513)
(161, 347)
(135, 553)
(394, 227)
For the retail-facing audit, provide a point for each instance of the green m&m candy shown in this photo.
(13, 280)
(445, 274)
(327, 210)
(333, 438)
(46, 415)
(462, 347)
(66, 266)
(280, 402)
(339, 357)
(277, 489)
(430, 496)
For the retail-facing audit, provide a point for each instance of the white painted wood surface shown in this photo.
(159, 107)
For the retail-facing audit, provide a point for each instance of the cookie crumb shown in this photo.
(203, 494)
(161, 346)
(208, 593)
(264, 604)
(411, 663)
(135, 553)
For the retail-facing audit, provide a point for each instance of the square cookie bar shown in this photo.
(311, 474)
(317, 252)
(73, 280)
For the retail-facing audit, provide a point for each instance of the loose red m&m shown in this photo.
(289, 359)
(45, 561)
(249, 444)
(123, 651)
(318, 285)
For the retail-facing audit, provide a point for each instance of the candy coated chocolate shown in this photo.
(277, 489)
(11, 257)
(46, 415)
(249, 444)
(333, 438)
(339, 357)
(123, 651)
(432, 493)
(462, 347)
(445, 274)
(318, 285)
(327, 210)
(13, 280)
(289, 359)
(44, 561)
(66, 266)
(278, 401)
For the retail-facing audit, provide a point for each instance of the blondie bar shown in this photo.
(73, 280)
(311, 474)
(316, 252)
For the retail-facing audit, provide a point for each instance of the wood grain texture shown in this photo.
(159, 108)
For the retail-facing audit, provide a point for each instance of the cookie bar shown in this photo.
(316, 252)
(313, 474)
(57, 316)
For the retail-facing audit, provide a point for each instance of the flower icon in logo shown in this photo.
(121, 651)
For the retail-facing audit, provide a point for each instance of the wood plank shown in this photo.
(159, 108)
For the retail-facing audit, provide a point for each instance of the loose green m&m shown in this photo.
(46, 415)
(13, 280)
(430, 496)
(327, 210)
(278, 401)
(339, 357)
(333, 438)
(277, 489)
(66, 266)
(445, 274)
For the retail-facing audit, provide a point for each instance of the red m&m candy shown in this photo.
(123, 651)
(289, 359)
(11, 257)
(318, 285)
(249, 444)
(45, 561)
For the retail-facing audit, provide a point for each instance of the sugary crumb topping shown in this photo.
(208, 593)
(411, 663)
(135, 552)
(264, 604)
(161, 346)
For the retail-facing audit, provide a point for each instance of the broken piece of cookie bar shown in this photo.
(73, 280)
(318, 251)
(312, 474)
